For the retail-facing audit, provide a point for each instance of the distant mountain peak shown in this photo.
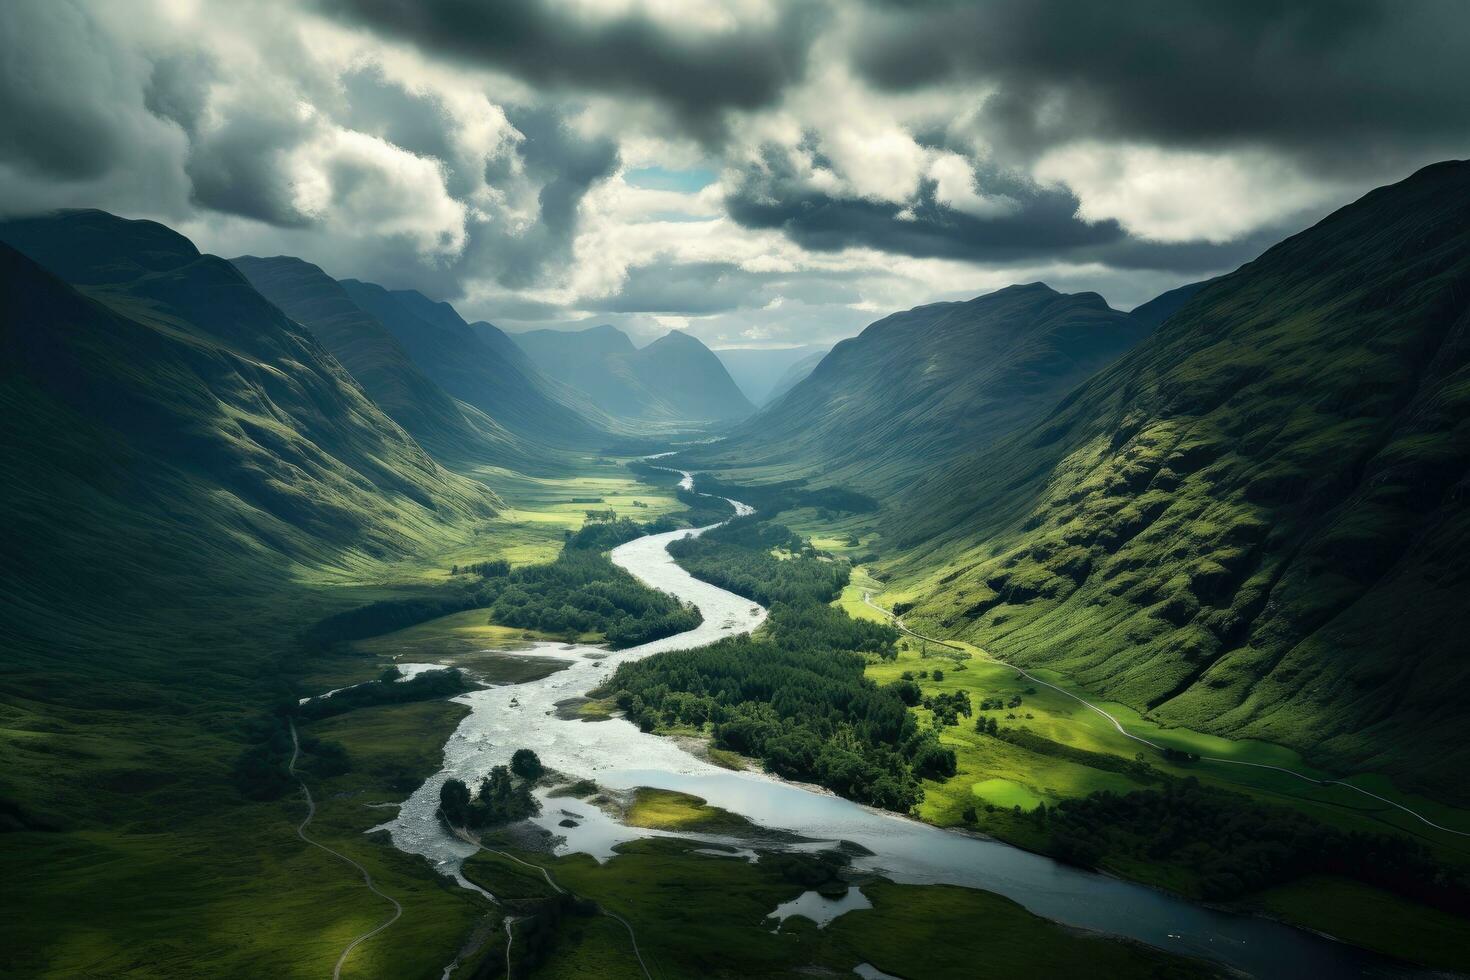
(676, 378)
(680, 337)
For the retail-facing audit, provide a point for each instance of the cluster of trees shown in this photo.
(485, 569)
(795, 696)
(504, 795)
(259, 771)
(390, 615)
(739, 556)
(606, 535)
(583, 592)
(388, 689)
(999, 702)
(948, 708)
(807, 712)
(771, 498)
(1235, 846)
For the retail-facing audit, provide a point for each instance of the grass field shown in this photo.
(136, 855)
(1004, 776)
(663, 809)
(702, 915)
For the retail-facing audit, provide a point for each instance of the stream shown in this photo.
(616, 755)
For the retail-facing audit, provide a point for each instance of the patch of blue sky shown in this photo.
(664, 179)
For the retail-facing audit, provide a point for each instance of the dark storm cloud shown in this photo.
(1043, 225)
(237, 168)
(695, 74)
(1353, 83)
(704, 288)
(58, 73)
(565, 165)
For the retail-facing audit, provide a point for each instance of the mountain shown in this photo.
(921, 387)
(757, 370)
(169, 432)
(794, 375)
(1165, 305)
(476, 367)
(449, 429)
(1255, 522)
(481, 365)
(675, 379)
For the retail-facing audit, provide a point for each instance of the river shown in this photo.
(617, 755)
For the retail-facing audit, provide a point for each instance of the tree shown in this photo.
(908, 692)
(454, 802)
(526, 765)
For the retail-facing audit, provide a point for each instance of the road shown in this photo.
(898, 622)
(366, 877)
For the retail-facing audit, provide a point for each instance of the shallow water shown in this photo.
(617, 755)
(819, 908)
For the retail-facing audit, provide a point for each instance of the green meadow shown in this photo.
(999, 783)
(698, 914)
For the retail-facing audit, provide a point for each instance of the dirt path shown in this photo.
(560, 890)
(366, 877)
(898, 621)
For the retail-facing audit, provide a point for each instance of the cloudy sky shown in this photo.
(757, 172)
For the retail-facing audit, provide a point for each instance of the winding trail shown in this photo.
(898, 621)
(366, 877)
(561, 891)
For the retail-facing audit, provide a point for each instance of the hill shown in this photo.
(476, 367)
(757, 371)
(675, 379)
(173, 413)
(1254, 523)
(1165, 305)
(921, 387)
(794, 375)
(449, 429)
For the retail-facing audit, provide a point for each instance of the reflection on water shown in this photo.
(617, 755)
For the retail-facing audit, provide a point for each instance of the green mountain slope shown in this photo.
(190, 481)
(449, 429)
(171, 434)
(1165, 305)
(1254, 523)
(674, 379)
(495, 378)
(920, 387)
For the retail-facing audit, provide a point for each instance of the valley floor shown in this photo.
(195, 880)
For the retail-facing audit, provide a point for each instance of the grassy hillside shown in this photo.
(450, 430)
(495, 378)
(675, 379)
(1252, 524)
(190, 479)
(920, 387)
(203, 446)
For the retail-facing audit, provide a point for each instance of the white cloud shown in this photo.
(352, 183)
(1179, 195)
(954, 181)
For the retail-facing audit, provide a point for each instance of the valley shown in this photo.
(973, 651)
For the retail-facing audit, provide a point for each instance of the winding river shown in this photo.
(617, 755)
